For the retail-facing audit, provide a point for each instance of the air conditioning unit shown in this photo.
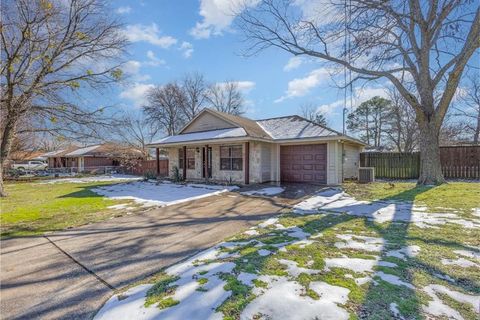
(366, 174)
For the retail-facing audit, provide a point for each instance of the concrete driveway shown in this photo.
(70, 274)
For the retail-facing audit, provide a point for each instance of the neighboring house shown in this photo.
(224, 147)
(100, 155)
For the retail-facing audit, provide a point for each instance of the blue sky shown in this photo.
(171, 38)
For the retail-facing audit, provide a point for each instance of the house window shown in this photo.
(231, 158)
(190, 159)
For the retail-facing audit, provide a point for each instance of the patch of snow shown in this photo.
(443, 277)
(380, 211)
(387, 264)
(468, 254)
(246, 278)
(268, 223)
(132, 307)
(212, 186)
(263, 252)
(390, 278)
(150, 194)
(270, 191)
(461, 262)
(354, 264)
(363, 280)
(395, 312)
(99, 178)
(251, 232)
(368, 244)
(285, 300)
(436, 307)
(476, 212)
(403, 253)
(312, 204)
(294, 270)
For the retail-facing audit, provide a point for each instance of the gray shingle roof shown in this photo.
(294, 127)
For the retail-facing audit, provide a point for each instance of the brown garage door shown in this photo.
(304, 163)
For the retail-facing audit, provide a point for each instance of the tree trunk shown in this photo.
(430, 166)
(477, 131)
(7, 138)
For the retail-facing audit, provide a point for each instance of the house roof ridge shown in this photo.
(280, 117)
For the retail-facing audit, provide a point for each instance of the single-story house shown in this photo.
(94, 156)
(227, 148)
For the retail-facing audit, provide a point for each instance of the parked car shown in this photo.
(30, 166)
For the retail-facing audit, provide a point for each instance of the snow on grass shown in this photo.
(128, 305)
(152, 194)
(403, 253)
(251, 232)
(247, 278)
(461, 262)
(436, 307)
(354, 264)
(393, 279)
(285, 300)
(335, 200)
(99, 178)
(468, 254)
(270, 191)
(367, 243)
(395, 312)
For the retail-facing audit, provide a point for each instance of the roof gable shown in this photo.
(226, 120)
(206, 121)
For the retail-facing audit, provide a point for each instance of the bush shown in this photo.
(176, 174)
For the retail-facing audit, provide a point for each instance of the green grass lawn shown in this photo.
(35, 208)
(366, 300)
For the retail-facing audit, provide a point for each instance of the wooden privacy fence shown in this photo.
(149, 167)
(457, 162)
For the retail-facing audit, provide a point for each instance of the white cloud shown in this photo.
(330, 108)
(150, 34)
(123, 10)
(362, 94)
(245, 86)
(132, 69)
(187, 49)
(153, 60)
(300, 87)
(137, 93)
(217, 16)
(293, 63)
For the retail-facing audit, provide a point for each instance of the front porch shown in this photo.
(226, 163)
(239, 162)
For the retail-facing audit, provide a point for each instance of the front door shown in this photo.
(207, 162)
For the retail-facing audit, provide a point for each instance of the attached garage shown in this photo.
(304, 163)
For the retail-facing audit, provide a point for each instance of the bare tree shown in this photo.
(194, 87)
(402, 130)
(311, 113)
(226, 97)
(468, 107)
(134, 131)
(51, 50)
(421, 47)
(165, 106)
